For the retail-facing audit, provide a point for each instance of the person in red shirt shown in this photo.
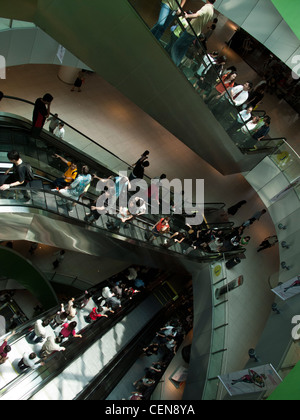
(41, 111)
(5, 348)
(228, 81)
(161, 227)
(94, 315)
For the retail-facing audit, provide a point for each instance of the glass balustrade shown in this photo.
(14, 24)
(84, 144)
(139, 228)
(207, 75)
(40, 153)
(287, 160)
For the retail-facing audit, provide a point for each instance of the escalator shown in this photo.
(42, 219)
(108, 340)
(139, 67)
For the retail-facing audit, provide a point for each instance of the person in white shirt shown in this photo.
(39, 331)
(51, 344)
(239, 94)
(107, 293)
(245, 115)
(71, 309)
(235, 98)
(250, 126)
(137, 206)
(132, 273)
(29, 360)
(60, 131)
(243, 136)
(242, 118)
(207, 62)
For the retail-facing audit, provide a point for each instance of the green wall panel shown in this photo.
(290, 11)
(14, 266)
(288, 389)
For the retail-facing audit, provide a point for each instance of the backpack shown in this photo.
(29, 171)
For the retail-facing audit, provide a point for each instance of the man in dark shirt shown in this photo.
(138, 170)
(19, 175)
(41, 111)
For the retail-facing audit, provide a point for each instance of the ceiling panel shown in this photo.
(237, 10)
(282, 41)
(262, 20)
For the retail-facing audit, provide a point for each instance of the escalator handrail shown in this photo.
(24, 204)
(152, 326)
(95, 334)
(222, 205)
(70, 126)
(205, 52)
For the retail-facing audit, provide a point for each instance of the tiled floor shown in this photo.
(105, 115)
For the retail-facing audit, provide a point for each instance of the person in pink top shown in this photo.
(69, 329)
(5, 348)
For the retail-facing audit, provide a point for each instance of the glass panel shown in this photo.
(22, 24)
(217, 84)
(4, 23)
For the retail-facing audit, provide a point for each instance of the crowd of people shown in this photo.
(215, 81)
(72, 185)
(75, 183)
(163, 347)
(48, 334)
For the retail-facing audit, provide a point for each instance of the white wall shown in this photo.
(33, 46)
(267, 180)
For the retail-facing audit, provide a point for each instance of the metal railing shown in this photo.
(47, 201)
(223, 109)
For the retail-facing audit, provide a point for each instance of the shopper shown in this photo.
(68, 177)
(168, 10)
(69, 330)
(41, 111)
(52, 344)
(5, 349)
(29, 360)
(267, 243)
(199, 20)
(95, 314)
(22, 174)
(39, 333)
(75, 189)
(54, 121)
(60, 131)
(79, 80)
(60, 255)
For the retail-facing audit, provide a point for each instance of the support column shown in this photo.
(67, 74)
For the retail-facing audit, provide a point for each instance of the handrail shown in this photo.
(121, 363)
(45, 136)
(73, 128)
(59, 361)
(203, 51)
(206, 256)
(91, 333)
(74, 148)
(274, 138)
(218, 77)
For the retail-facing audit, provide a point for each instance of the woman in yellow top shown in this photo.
(68, 177)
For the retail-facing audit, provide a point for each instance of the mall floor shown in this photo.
(105, 115)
